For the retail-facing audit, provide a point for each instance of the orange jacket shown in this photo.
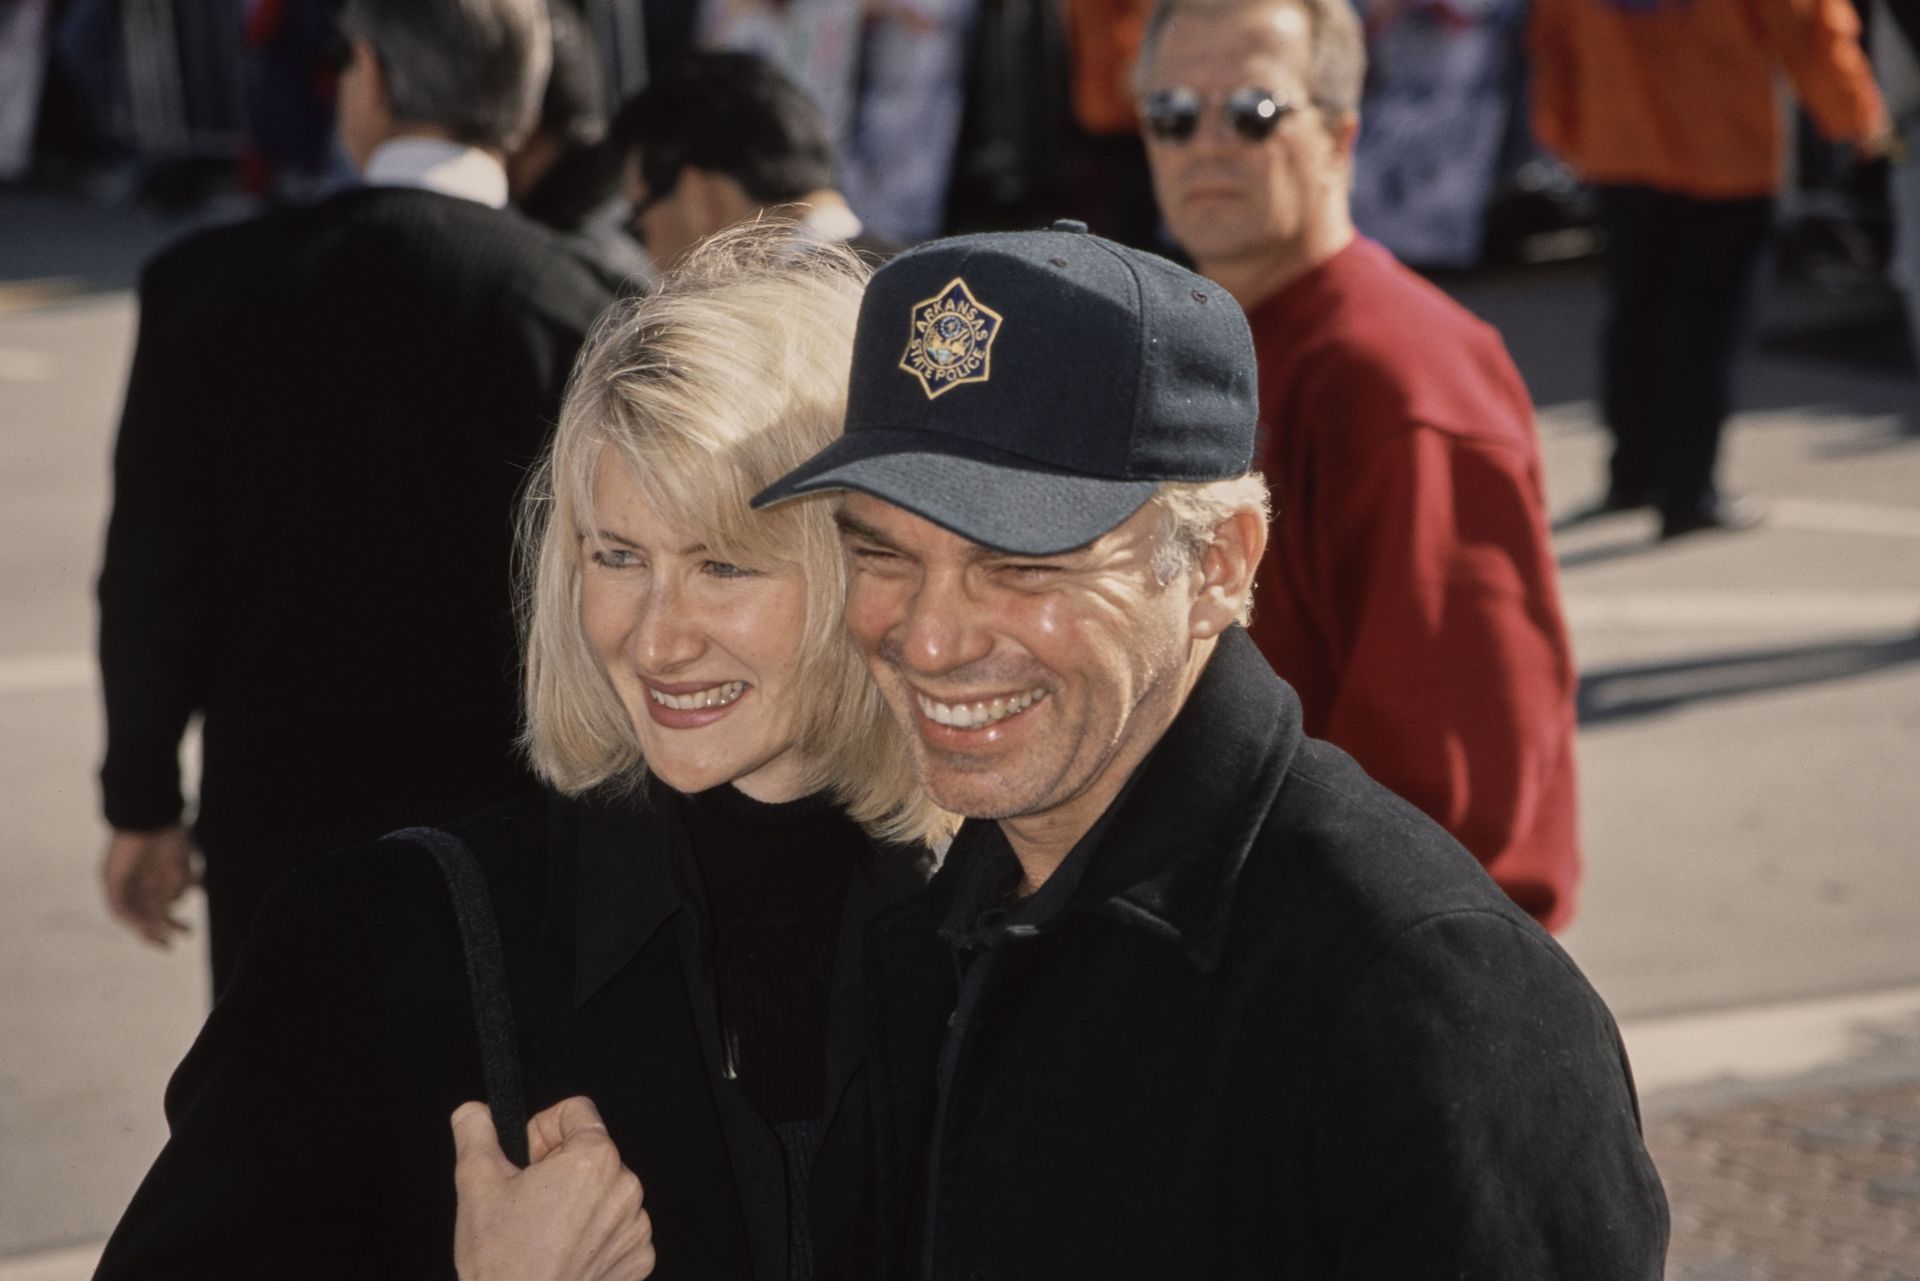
(1104, 38)
(1680, 94)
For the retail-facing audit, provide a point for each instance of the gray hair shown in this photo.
(475, 68)
(1193, 510)
(1336, 67)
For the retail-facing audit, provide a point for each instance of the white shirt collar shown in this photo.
(435, 164)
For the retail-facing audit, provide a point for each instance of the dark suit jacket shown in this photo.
(330, 414)
(309, 1122)
(1284, 1026)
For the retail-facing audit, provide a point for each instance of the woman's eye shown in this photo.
(615, 558)
(725, 569)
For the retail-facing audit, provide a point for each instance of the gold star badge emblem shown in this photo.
(950, 339)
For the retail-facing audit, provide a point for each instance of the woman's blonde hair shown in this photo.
(730, 375)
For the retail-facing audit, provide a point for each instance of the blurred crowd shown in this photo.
(943, 116)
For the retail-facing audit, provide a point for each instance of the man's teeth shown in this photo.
(974, 715)
(718, 696)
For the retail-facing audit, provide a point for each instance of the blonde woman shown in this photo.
(679, 912)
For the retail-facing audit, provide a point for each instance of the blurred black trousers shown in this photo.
(1681, 278)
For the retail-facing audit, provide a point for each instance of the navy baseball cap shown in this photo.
(1030, 390)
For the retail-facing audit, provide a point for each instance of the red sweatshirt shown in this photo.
(1409, 591)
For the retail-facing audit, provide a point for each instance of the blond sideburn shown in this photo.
(1194, 511)
(709, 390)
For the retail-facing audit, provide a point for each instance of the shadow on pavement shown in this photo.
(1624, 693)
(1864, 327)
(1814, 345)
(1905, 430)
(1601, 553)
(54, 245)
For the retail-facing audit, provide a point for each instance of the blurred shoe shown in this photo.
(1620, 498)
(1728, 512)
(1612, 503)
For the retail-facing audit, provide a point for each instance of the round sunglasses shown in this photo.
(1173, 115)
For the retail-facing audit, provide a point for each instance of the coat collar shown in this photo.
(1173, 847)
(625, 886)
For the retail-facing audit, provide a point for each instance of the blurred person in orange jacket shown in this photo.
(1409, 590)
(1114, 191)
(1667, 108)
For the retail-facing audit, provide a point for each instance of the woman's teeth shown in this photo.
(718, 696)
(975, 715)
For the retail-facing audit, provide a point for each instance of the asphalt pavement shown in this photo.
(1751, 720)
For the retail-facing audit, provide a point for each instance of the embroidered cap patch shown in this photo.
(950, 339)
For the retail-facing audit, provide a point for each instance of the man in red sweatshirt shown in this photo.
(1408, 592)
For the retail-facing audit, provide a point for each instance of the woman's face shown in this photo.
(705, 653)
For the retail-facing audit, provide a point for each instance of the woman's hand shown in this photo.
(574, 1214)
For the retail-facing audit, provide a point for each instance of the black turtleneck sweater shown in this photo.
(774, 878)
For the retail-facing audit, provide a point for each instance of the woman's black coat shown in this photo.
(310, 1133)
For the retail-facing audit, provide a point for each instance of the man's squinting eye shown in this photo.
(1031, 570)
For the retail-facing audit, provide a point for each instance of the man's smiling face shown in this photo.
(1030, 686)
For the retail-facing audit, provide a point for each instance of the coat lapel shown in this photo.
(626, 889)
(619, 893)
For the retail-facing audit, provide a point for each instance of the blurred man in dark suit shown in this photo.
(329, 413)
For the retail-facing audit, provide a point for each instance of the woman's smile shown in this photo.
(690, 705)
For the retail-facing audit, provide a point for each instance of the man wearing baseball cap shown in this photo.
(1192, 996)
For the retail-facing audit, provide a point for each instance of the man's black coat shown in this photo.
(1284, 1027)
(330, 414)
(310, 1134)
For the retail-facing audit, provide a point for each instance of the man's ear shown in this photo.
(1226, 573)
(1345, 133)
(373, 75)
(718, 199)
(363, 114)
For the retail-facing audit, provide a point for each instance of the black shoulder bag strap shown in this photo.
(487, 981)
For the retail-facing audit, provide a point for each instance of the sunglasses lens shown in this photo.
(1172, 114)
(1254, 113)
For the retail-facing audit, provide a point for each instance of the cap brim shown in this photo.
(1001, 502)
